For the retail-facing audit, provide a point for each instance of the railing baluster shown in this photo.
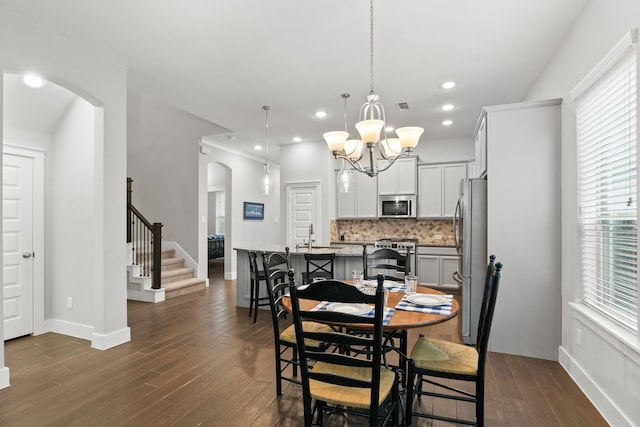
(146, 241)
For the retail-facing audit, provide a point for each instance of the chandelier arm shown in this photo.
(354, 163)
(391, 161)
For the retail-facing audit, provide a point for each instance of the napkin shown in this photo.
(444, 309)
(388, 284)
(388, 312)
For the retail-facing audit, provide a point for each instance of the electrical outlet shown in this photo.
(579, 337)
(69, 303)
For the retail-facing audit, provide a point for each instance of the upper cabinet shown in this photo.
(439, 186)
(362, 202)
(400, 178)
(480, 148)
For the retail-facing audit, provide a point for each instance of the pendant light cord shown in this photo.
(266, 109)
(371, 49)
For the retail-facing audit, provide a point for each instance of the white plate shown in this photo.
(427, 300)
(355, 309)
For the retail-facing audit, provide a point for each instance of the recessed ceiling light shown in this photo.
(257, 147)
(321, 114)
(297, 139)
(447, 107)
(33, 81)
(447, 122)
(448, 85)
(389, 128)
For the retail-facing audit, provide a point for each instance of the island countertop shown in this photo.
(339, 250)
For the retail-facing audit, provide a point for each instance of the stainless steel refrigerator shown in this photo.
(470, 230)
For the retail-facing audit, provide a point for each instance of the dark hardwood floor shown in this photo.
(198, 360)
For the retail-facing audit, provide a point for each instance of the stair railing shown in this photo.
(146, 241)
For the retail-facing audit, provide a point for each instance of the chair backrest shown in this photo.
(334, 291)
(319, 265)
(253, 266)
(385, 259)
(282, 262)
(485, 299)
(277, 287)
(486, 318)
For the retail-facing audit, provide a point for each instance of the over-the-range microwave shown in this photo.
(397, 206)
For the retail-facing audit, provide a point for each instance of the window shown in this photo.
(606, 109)
(220, 208)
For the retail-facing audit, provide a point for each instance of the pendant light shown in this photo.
(346, 176)
(266, 186)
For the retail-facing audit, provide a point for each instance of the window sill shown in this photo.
(618, 337)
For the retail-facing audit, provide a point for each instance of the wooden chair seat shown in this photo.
(349, 396)
(445, 356)
(289, 334)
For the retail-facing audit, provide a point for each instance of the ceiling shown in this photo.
(223, 60)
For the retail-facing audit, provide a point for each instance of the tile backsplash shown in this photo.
(437, 232)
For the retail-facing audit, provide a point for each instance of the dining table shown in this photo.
(402, 320)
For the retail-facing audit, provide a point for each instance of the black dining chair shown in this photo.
(432, 361)
(385, 259)
(276, 261)
(318, 266)
(339, 382)
(284, 335)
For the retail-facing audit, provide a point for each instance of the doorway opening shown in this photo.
(218, 220)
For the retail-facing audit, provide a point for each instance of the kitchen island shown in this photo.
(348, 258)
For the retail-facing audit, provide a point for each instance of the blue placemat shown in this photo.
(444, 309)
(388, 312)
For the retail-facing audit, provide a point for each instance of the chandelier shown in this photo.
(372, 131)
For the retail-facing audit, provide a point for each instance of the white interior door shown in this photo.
(17, 239)
(302, 209)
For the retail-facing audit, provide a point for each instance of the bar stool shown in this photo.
(276, 262)
(318, 265)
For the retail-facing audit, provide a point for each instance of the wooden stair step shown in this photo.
(177, 274)
(172, 263)
(183, 287)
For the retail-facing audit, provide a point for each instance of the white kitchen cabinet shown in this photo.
(361, 202)
(439, 186)
(400, 178)
(448, 266)
(428, 269)
(481, 148)
(436, 266)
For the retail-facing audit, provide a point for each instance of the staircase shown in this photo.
(176, 279)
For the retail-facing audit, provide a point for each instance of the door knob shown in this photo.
(27, 255)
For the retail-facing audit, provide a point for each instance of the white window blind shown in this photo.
(606, 108)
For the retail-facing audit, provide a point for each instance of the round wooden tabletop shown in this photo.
(401, 319)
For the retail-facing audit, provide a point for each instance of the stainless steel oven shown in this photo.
(398, 206)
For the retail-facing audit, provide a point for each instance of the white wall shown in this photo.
(607, 364)
(69, 222)
(306, 162)
(244, 186)
(162, 156)
(24, 46)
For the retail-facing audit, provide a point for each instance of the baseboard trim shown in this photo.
(113, 339)
(4, 378)
(230, 276)
(69, 328)
(607, 408)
